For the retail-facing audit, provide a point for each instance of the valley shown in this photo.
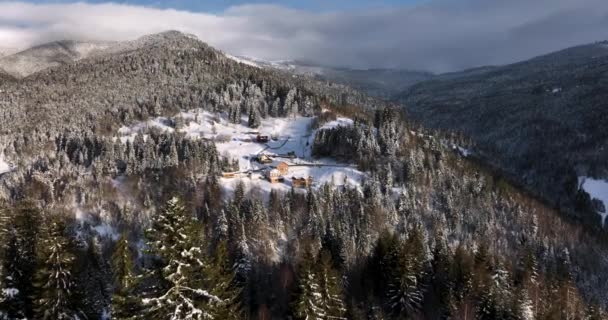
(170, 178)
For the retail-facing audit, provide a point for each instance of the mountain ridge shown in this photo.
(515, 113)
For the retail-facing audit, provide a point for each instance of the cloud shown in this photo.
(440, 35)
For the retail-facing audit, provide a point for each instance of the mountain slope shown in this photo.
(7, 52)
(544, 121)
(105, 142)
(24, 63)
(381, 83)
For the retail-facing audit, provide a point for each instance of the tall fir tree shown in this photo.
(93, 285)
(406, 288)
(306, 305)
(54, 279)
(188, 289)
(331, 299)
(221, 274)
(20, 261)
(125, 305)
(254, 118)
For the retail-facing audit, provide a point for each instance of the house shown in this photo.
(274, 176)
(228, 175)
(283, 168)
(301, 182)
(262, 139)
(264, 159)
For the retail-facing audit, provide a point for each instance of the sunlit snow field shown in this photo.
(238, 141)
(597, 189)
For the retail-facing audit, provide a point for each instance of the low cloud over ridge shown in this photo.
(439, 36)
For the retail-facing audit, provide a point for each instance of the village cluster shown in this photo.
(273, 173)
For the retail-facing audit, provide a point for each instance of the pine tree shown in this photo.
(54, 279)
(331, 300)
(441, 283)
(92, 278)
(124, 303)
(406, 288)
(187, 289)
(6, 291)
(254, 118)
(20, 261)
(223, 277)
(461, 275)
(306, 305)
(524, 308)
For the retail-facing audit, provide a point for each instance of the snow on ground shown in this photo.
(339, 122)
(463, 151)
(237, 141)
(102, 229)
(242, 60)
(4, 166)
(597, 189)
(129, 133)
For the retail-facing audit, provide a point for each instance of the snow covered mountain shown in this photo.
(32, 60)
(543, 121)
(381, 83)
(273, 191)
(7, 51)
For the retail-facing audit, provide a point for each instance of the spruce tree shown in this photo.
(254, 118)
(441, 283)
(93, 280)
(124, 303)
(20, 261)
(221, 274)
(7, 255)
(187, 287)
(54, 280)
(331, 300)
(406, 288)
(461, 275)
(306, 304)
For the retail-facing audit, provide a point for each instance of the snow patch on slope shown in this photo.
(339, 122)
(4, 166)
(597, 189)
(24, 63)
(290, 141)
(242, 60)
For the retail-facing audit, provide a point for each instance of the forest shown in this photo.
(94, 226)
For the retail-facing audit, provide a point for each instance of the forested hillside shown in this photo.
(124, 198)
(542, 122)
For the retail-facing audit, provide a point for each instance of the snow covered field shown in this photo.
(597, 189)
(4, 166)
(237, 141)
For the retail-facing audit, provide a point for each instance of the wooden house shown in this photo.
(229, 174)
(301, 182)
(262, 139)
(283, 168)
(274, 176)
(264, 159)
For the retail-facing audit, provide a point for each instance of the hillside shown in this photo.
(543, 121)
(380, 83)
(23, 63)
(172, 179)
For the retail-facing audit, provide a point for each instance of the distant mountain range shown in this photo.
(545, 120)
(381, 83)
(23, 63)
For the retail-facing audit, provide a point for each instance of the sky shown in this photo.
(431, 35)
(217, 6)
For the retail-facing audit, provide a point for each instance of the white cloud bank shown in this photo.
(440, 35)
